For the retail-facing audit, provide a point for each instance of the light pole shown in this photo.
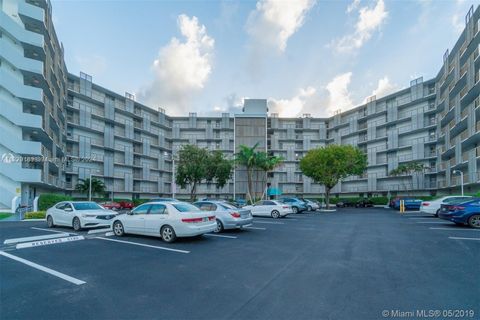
(461, 178)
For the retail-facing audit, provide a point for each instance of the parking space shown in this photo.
(344, 264)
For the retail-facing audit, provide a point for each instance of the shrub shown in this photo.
(379, 200)
(137, 202)
(48, 200)
(35, 215)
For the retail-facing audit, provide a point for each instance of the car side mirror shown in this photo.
(68, 209)
(130, 213)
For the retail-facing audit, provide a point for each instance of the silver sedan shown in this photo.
(227, 215)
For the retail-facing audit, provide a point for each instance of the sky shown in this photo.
(304, 56)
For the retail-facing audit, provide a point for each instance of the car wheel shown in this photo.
(309, 208)
(168, 234)
(50, 223)
(295, 210)
(118, 229)
(77, 226)
(219, 227)
(474, 221)
(436, 213)
(275, 214)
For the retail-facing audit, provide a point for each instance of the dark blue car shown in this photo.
(462, 213)
(410, 204)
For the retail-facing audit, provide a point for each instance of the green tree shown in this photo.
(330, 164)
(267, 163)
(219, 168)
(247, 157)
(408, 169)
(191, 168)
(83, 186)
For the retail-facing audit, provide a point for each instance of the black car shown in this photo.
(345, 204)
(364, 203)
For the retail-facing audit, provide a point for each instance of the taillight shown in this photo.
(235, 214)
(425, 204)
(192, 220)
(211, 218)
(458, 208)
(285, 207)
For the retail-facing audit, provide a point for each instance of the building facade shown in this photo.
(83, 130)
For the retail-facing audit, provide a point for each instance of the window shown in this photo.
(158, 209)
(268, 203)
(185, 207)
(60, 206)
(143, 209)
(67, 207)
(86, 206)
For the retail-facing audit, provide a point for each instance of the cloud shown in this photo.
(339, 97)
(369, 20)
(294, 106)
(182, 68)
(91, 63)
(457, 22)
(232, 103)
(353, 6)
(384, 87)
(273, 22)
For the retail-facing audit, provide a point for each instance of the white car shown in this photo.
(269, 208)
(227, 215)
(433, 207)
(165, 219)
(79, 214)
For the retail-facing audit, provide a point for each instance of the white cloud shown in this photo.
(294, 106)
(232, 103)
(182, 68)
(352, 6)
(457, 22)
(273, 22)
(369, 20)
(384, 87)
(339, 97)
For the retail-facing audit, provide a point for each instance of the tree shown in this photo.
(191, 167)
(195, 165)
(267, 163)
(83, 186)
(247, 156)
(330, 164)
(407, 170)
(219, 168)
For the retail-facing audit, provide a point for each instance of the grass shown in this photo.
(35, 215)
(4, 215)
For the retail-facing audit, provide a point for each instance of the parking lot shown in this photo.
(349, 264)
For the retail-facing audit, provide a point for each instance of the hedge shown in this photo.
(34, 215)
(48, 200)
(137, 202)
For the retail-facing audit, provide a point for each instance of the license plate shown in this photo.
(205, 219)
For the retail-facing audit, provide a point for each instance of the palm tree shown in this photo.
(83, 186)
(248, 157)
(408, 169)
(268, 163)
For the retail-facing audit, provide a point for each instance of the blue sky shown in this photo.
(305, 56)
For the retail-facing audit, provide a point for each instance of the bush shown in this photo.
(137, 202)
(35, 215)
(48, 200)
(379, 200)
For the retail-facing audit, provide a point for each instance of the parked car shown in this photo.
(269, 208)
(165, 219)
(433, 206)
(228, 216)
(111, 205)
(126, 205)
(364, 203)
(344, 204)
(79, 214)
(162, 200)
(311, 205)
(410, 203)
(462, 213)
(296, 204)
(240, 202)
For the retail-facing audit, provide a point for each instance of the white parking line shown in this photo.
(255, 228)
(434, 222)
(44, 269)
(268, 222)
(420, 218)
(143, 245)
(47, 242)
(459, 238)
(99, 231)
(50, 230)
(43, 237)
(220, 236)
(456, 229)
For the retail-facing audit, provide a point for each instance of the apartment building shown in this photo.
(32, 100)
(132, 147)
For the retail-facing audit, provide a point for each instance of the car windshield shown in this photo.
(87, 206)
(185, 207)
(227, 205)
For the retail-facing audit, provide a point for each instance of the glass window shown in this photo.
(143, 209)
(185, 207)
(158, 209)
(87, 206)
(60, 206)
(268, 203)
(226, 205)
(66, 207)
